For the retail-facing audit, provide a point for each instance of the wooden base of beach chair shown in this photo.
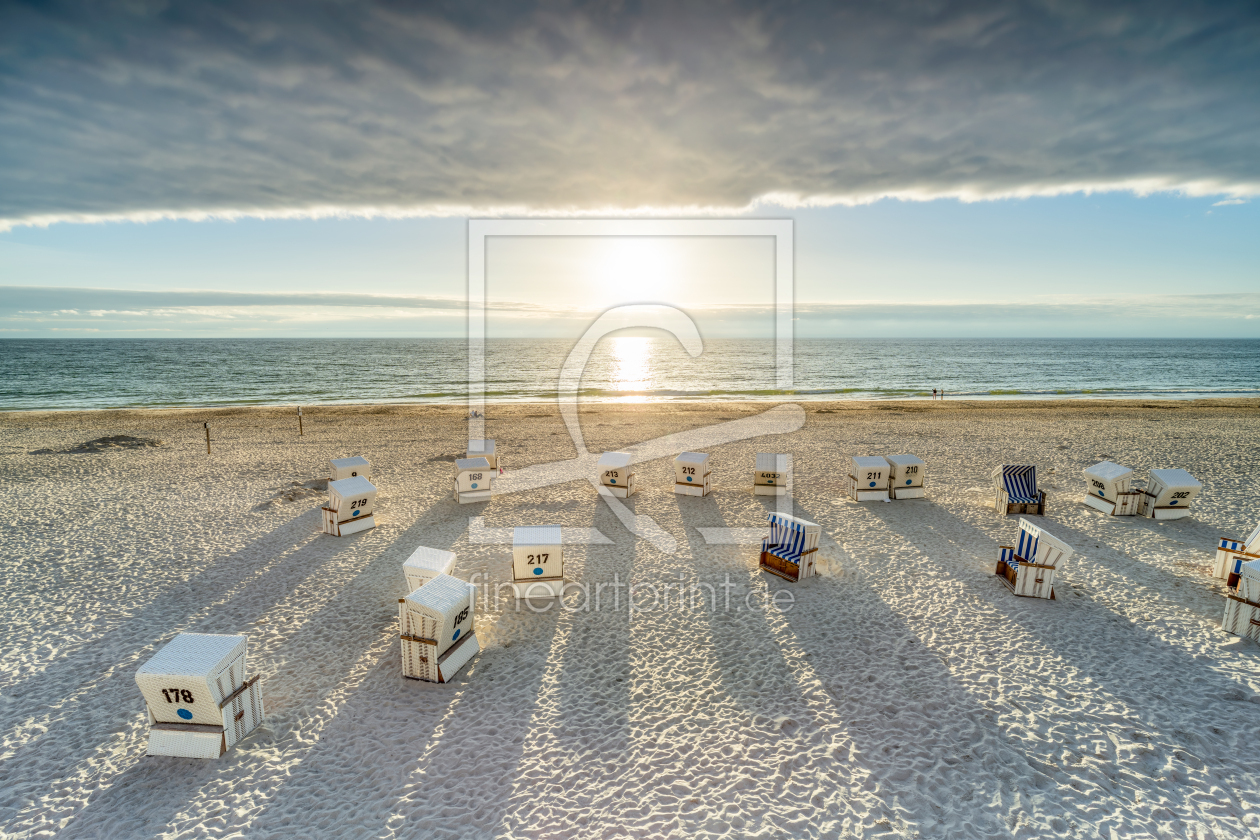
(901, 493)
(768, 490)
(350, 526)
(1006, 507)
(1125, 504)
(859, 492)
(420, 664)
(472, 497)
(1242, 617)
(1165, 513)
(538, 588)
(621, 492)
(786, 569)
(692, 489)
(1010, 577)
(242, 712)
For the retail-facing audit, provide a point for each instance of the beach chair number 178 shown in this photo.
(537, 559)
(177, 693)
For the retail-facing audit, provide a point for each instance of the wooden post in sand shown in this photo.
(207, 425)
(299, 421)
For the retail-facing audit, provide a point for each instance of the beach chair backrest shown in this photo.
(1036, 545)
(1253, 541)
(1019, 481)
(791, 534)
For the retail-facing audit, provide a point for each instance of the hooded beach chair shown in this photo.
(538, 561)
(1230, 554)
(199, 698)
(1109, 488)
(770, 475)
(1029, 566)
(1242, 605)
(791, 548)
(1017, 492)
(473, 477)
(905, 479)
(351, 507)
(339, 468)
(868, 479)
(484, 449)
(616, 475)
(425, 564)
(691, 474)
(1169, 493)
(435, 625)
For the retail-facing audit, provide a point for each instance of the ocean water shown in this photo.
(117, 373)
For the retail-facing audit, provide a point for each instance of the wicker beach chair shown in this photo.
(790, 550)
(1017, 492)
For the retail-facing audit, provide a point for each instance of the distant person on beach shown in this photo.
(933, 393)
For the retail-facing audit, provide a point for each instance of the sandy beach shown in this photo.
(903, 693)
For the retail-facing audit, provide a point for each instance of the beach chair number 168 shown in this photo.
(537, 559)
(177, 693)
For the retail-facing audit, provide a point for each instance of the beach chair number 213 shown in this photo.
(537, 559)
(177, 693)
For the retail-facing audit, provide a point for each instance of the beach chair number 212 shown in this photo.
(537, 559)
(176, 693)
(689, 470)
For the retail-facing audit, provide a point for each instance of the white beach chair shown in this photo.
(791, 549)
(1109, 488)
(1242, 605)
(436, 629)
(868, 479)
(484, 449)
(425, 564)
(538, 561)
(1028, 568)
(473, 480)
(1230, 554)
(616, 475)
(691, 474)
(199, 700)
(905, 478)
(1169, 493)
(770, 475)
(1016, 486)
(339, 468)
(351, 507)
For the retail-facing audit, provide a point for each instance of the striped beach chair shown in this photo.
(1242, 604)
(790, 550)
(1029, 566)
(1231, 554)
(1017, 492)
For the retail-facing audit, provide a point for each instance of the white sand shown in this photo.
(907, 693)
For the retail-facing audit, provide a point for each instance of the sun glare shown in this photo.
(640, 269)
(632, 360)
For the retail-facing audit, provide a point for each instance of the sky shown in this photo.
(952, 169)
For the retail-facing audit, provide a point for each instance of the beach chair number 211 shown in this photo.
(537, 559)
(177, 693)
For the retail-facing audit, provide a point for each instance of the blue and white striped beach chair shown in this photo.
(1017, 491)
(790, 549)
(1230, 554)
(1029, 566)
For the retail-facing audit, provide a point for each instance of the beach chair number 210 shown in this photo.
(176, 693)
(537, 559)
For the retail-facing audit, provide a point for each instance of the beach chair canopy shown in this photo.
(767, 462)
(614, 460)
(1253, 541)
(1109, 471)
(790, 537)
(350, 467)
(699, 458)
(469, 464)
(526, 535)
(1036, 545)
(427, 563)
(1019, 482)
(478, 448)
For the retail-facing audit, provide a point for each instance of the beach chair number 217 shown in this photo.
(176, 693)
(537, 559)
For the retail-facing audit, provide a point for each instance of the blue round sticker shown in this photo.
(538, 571)
(456, 636)
(474, 485)
(612, 481)
(1101, 493)
(356, 513)
(908, 480)
(689, 478)
(184, 713)
(872, 484)
(1173, 502)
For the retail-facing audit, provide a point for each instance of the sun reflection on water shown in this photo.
(632, 361)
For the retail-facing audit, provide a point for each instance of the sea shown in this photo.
(127, 373)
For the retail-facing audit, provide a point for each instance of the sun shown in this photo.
(638, 269)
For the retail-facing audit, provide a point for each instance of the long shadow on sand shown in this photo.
(1165, 700)
(334, 636)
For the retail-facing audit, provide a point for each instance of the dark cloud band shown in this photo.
(149, 109)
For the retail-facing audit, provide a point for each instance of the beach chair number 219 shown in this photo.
(358, 503)
(177, 693)
(537, 559)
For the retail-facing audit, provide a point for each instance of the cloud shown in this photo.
(196, 110)
(1229, 201)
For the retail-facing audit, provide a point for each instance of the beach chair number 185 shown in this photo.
(537, 559)
(177, 693)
